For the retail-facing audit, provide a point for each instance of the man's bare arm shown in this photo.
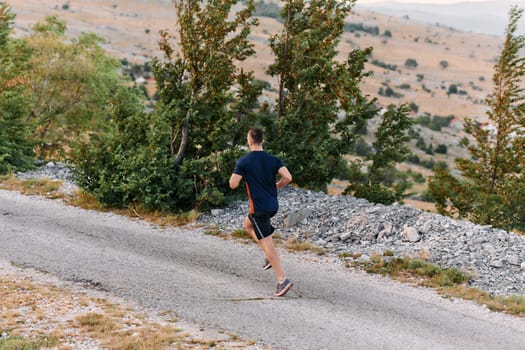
(286, 177)
(235, 181)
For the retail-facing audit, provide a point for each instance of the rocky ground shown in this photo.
(493, 257)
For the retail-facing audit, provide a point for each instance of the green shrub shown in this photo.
(20, 343)
(387, 91)
(413, 107)
(129, 164)
(435, 122)
(16, 149)
(381, 64)
(441, 148)
(411, 63)
(414, 159)
(360, 27)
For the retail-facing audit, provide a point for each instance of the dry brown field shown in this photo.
(131, 29)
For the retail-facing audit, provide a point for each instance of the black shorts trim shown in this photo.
(262, 224)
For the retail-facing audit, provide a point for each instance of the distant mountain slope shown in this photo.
(441, 59)
(488, 17)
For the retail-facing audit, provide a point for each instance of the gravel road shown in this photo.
(219, 283)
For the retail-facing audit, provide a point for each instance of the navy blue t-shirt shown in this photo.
(258, 170)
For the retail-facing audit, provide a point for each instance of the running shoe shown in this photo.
(283, 287)
(266, 265)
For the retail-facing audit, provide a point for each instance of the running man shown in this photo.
(259, 169)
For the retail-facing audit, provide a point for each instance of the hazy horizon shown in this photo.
(431, 2)
(481, 16)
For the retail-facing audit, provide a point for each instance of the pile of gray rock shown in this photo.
(493, 257)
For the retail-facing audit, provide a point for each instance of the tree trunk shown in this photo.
(183, 140)
(283, 73)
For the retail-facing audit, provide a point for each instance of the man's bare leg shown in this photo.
(268, 247)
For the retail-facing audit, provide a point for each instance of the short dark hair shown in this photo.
(257, 135)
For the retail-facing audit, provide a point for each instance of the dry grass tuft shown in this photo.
(447, 281)
(513, 304)
(114, 334)
(39, 187)
(215, 231)
(85, 200)
(51, 189)
(160, 218)
(344, 255)
(95, 324)
(241, 234)
(88, 201)
(293, 244)
(21, 343)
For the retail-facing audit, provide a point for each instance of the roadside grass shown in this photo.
(160, 218)
(513, 304)
(21, 343)
(449, 282)
(115, 335)
(85, 200)
(41, 187)
(216, 231)
(241, 235)
(51, 189)
(37, 315)
(294, 244)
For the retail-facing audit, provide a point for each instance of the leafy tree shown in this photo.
(310, 132)
(491, 188)
(390, 148)
(6, 20)
(196, 86)
(181, 155)
(70, 85)
(16, 151)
